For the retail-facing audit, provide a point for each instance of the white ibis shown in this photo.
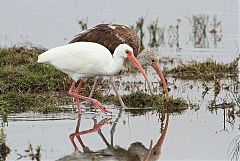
(82, 60)
(110, 36)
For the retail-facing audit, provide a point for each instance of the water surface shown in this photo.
(199, 133)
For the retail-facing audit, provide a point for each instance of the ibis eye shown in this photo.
(153, 60)
(127, 51)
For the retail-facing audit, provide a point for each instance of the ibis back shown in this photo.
(78, 60)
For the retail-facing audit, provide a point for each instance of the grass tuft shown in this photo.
(208, 70)
(26, 85)
(142, 100)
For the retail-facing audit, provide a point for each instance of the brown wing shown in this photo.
(110, 36)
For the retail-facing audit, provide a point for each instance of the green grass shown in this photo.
(141, 100)
(208, 70)
(26, 85)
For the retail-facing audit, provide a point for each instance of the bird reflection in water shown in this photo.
(96, 127)
(136, 152)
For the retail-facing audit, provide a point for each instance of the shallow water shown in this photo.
(53, 23)
(199, 133)
(193, 135)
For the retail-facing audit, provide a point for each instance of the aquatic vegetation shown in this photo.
(216, 30)
(154, 31)
(4, 110)
(139, 30)
(208, 70)
(206, 32)
(143, 101)
(83, 24)
(213, 106)
(34, 155)
(174, 105)
(4, 149)
(204, 26)
(199, 27)
(137, 99)
(22, 80)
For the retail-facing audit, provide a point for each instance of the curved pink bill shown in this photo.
(133, 59)
(156, 67)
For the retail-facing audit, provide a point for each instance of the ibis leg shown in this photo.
(118, 95)
(98, 104)
(77, 134)
(71, 92)
(93, 87)
(71, 136)
(76, 96)
(77, 92)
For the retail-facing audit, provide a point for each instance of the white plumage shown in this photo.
(85, 59)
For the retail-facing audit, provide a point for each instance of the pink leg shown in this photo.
(77, 133)
(78, 136)
(76, 96)
(77, 90)
(79, 87)
(95, 128)
(71, 136)
(71, 89)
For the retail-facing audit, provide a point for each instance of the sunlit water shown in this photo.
(197, 134)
